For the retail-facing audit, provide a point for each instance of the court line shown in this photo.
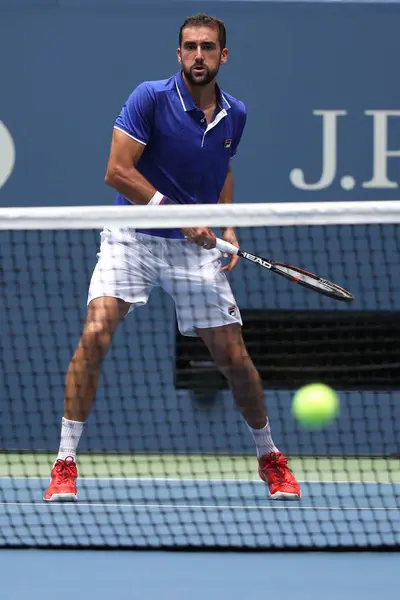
(198, 480)
(104, 505)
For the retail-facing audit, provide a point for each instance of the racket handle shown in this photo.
(226, 247)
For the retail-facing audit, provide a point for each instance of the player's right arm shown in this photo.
(133, 130)
(122, 174)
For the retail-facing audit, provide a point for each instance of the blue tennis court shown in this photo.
(103, 575)
(152, 512)
(34, 574)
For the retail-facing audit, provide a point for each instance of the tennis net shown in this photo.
(165, 459)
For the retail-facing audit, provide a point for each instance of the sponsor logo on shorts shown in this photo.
(232, 311)
(227, 143)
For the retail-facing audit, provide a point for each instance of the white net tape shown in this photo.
(240, 215)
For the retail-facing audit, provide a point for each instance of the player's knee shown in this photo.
(97, 337)
(234, 362)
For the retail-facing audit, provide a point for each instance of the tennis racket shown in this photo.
(300, 276)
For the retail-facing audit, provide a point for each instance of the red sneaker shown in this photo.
(62, 486)
(273, 469)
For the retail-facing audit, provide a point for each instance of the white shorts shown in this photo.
(131, 264)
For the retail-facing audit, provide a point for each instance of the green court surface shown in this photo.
(324, 469)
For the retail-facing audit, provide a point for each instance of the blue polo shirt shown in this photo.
(185, 158)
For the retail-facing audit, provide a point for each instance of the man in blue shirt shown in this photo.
(172, 143)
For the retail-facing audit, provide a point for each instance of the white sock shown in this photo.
(71, 432)
(263, 440)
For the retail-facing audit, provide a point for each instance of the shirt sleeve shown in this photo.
(137, 115)
(240, 124)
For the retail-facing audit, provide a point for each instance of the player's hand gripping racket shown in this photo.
(304, 278)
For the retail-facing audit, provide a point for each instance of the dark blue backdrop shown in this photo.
(311, 75)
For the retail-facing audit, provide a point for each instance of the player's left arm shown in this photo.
(229, 235)
(226, 196)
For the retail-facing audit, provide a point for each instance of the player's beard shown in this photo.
(200, 80)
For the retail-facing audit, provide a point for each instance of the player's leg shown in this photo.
(227, 347)
(122, 279)
(206, 307)
(104, 314)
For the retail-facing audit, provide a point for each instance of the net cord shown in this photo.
(219, 215)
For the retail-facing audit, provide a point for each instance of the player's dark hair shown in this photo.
(203, 20)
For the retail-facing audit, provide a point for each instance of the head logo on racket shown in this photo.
(257, 259)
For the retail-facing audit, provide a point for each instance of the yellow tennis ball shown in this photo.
(315, 405)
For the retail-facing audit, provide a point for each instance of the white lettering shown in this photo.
(381, 152)
(257, 259)
(329, 153)
(7, 154)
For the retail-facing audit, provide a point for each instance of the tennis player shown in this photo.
(172, 144)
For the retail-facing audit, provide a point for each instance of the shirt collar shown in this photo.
(186, 99)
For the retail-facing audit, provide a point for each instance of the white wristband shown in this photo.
(158, 198)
